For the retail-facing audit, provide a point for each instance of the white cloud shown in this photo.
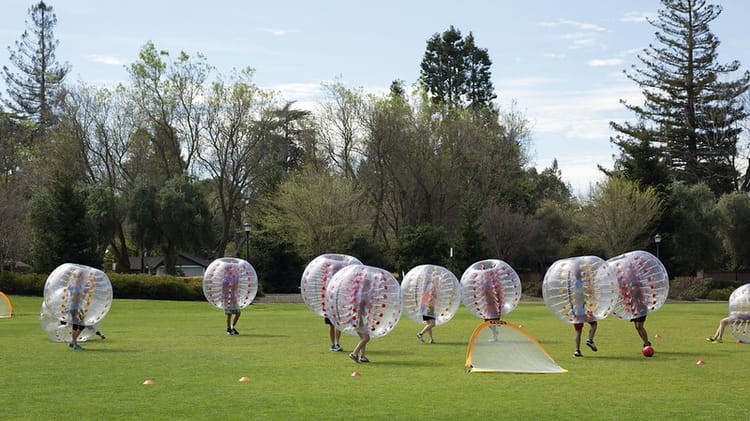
(575, 24)
(636, 17)
(605, 62)
(103, 59)
(275, 31)
(554, 56)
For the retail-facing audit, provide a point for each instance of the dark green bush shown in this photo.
(721, 294)
(689, 288)
(123, 286)
(22, 283)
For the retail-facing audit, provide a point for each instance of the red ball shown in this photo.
(648, 351)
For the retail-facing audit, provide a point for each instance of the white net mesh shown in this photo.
(500, 346)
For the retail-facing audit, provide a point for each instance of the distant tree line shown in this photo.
(181, 157)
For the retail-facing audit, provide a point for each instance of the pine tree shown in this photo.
(456, 73)
(35, 90)
(691, 109)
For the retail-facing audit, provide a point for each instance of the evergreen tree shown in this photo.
(691, 108)
(456, 73)
(36, 89)
(62, 230)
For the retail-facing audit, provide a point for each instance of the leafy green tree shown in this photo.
(733, 211)
(456, 73)
(184, 219)
(35, 90)
(620, 215)
(691, 106)
(689, 230)
(422, 244)
(167, 96)
(317, 212)
(143, 214)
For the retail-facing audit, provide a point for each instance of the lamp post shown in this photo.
(247, 241)
(657, 240)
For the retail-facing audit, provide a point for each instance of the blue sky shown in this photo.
(559, 62)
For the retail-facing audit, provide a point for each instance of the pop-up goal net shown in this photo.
(6, 308)
(497, 346)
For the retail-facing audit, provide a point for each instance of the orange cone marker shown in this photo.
(148, 382)
(356, 374)
(244, 379)
(700, 362)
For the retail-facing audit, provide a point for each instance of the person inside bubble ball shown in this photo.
(76, 313)
(640, 307)
(334, 335)
(429, 294)
(229, 286)
(96, 330)
(581, 316)
(723, 323)
(358, 353)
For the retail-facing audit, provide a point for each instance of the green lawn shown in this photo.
(283, 349)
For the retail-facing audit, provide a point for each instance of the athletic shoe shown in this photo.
(229, 331)
(591, 345)
(364, 360)
(337, 347)
(354, 358)
(419, 336)
(647, 343)
(577, 354)
(432, 341)
(76, 347)
(234, 332)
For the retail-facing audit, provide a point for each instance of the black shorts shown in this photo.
(328, 321)
(78, 327)
(639, 319)
(426, 318)
(231, 311)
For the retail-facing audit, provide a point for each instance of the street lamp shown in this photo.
(657, 240)
(247, 241)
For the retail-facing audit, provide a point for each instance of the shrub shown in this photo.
(689, 288)
(721, 294)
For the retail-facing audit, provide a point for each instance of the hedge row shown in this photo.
(123, 286)
(191, 289)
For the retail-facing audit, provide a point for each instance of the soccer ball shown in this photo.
(648, 351)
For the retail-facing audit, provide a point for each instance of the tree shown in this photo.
(167, 96)
(317, 212)
(456, 73)
(36, 89)
(734, 213)
(61, 229)
(341, 130)
(689, 229)
(691, 109)
(239, 120)
(619, 215)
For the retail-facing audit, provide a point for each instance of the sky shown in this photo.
(558, 63)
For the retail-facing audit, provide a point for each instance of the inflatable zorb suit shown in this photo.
(490, 289)
(432, 291)
(739, 313)
(580, 289)
(364, 299)
(317, 276)
(230, 284)
(643, 284)
(74, 295)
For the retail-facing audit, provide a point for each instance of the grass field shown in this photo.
(283, 349)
